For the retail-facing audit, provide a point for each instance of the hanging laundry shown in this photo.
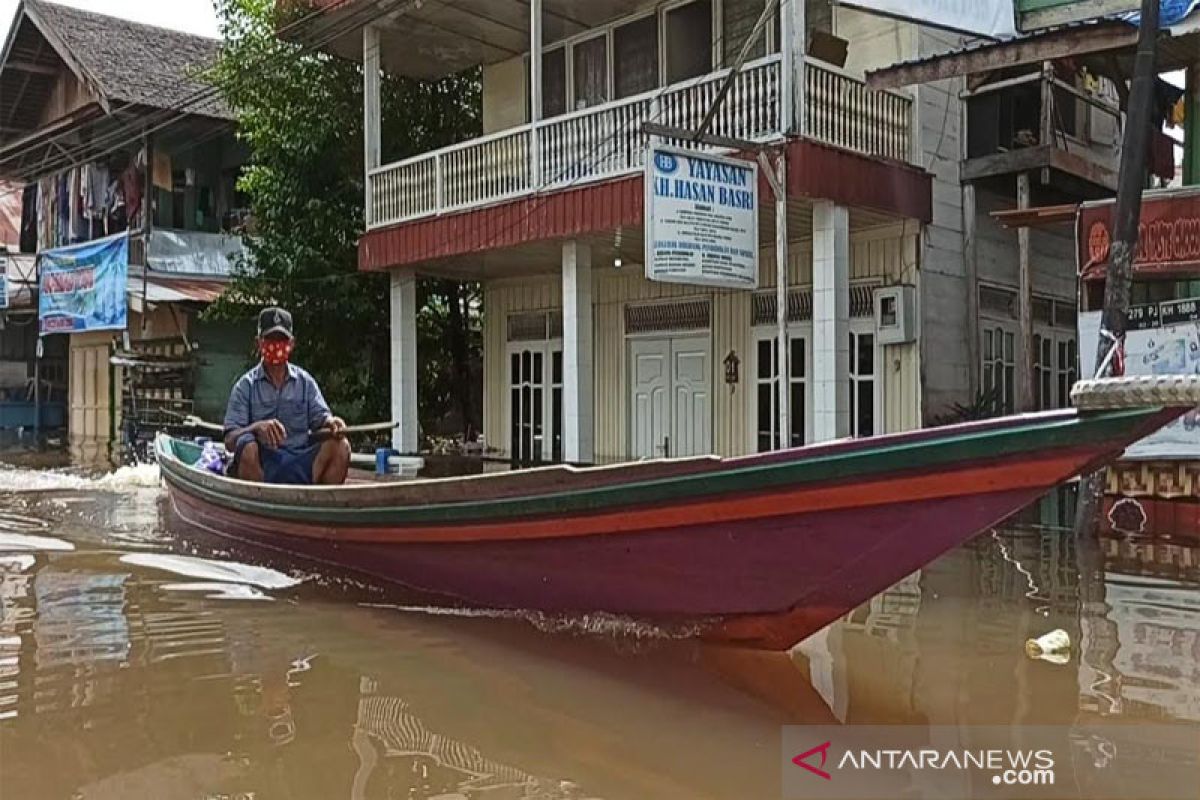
(29, 219)
(62, 216)
(162, 177)
(78, 224)
(131, 186)
(95, 185)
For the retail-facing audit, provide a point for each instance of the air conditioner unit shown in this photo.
(896, 314)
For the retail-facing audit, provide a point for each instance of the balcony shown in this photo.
(607, 141)
(1040, 122)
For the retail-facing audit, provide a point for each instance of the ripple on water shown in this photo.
(230, 572)
(20, 542)
(219, 591)
(126, 479)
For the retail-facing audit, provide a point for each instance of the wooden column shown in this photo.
(1025, 376)
(371, 115)
(783, 390)
(793, 40)
(535, 92)
(971, 265)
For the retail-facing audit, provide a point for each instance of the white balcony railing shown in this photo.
(607, 141)
(842, 111)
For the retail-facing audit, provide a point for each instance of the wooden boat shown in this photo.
(812, 531)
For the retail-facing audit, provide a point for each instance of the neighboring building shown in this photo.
(584, 359)
(112, 131)
(32, 391)
(1045, 114)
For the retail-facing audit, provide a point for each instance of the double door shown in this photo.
(671, 397)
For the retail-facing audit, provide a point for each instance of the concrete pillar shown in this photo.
(406, 438)
(831, 321)
(1191, 128)
(578, 420)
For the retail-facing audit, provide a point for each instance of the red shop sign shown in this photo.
(1168, 237)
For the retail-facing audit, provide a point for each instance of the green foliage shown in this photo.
(988, 403)
(300, 114)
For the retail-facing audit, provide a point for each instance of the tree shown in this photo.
(299, 112)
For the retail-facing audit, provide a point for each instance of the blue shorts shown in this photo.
(283, 465)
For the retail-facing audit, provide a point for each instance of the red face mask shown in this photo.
(274, 352)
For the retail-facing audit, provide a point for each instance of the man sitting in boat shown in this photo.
(277, 425)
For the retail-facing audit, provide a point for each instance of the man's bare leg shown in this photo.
(332, 463)
(249, 466)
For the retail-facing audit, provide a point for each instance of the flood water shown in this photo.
(135, 663)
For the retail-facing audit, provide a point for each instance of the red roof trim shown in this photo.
(814, 171)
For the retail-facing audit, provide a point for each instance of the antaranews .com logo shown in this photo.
(1009, 767)
(1096, 762)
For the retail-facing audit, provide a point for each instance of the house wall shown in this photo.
(882, 256)
(944, 290)
(504, 95)
(1051, 250)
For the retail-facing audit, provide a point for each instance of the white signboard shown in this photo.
(995, 19)
(701, 219)
(1166, 350)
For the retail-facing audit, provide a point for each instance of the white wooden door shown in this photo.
(671, 397)
(691, 408)
(650, 384)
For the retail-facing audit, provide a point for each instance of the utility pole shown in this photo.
(1128, 213)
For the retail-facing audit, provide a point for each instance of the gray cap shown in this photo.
(274, 320)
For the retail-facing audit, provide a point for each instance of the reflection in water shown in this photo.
(119, 679)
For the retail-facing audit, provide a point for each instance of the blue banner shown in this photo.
(3, 290)
(1170, 12)
(82, 287)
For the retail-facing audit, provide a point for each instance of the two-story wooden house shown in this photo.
(586, 360)
(111, 130)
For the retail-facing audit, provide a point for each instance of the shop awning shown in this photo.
(155, 289)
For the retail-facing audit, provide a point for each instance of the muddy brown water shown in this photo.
(136, 663)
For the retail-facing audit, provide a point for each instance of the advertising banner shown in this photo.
(701, 219)
(995, 19)
(82, 287)
(1168, 346)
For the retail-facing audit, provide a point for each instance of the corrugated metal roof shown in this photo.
(157, 289)
(984, 44)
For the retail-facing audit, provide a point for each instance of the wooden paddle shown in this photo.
(192, 421)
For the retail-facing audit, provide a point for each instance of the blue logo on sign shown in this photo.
(666, 163)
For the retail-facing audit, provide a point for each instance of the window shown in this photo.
(686, 28)
(862, 384)
(554, 82)
(591, 72)
(738, 18)
(767, 392)
(1066, 368)
(999, 364)
(1043, 370)
(635, 56)
(535, 399)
